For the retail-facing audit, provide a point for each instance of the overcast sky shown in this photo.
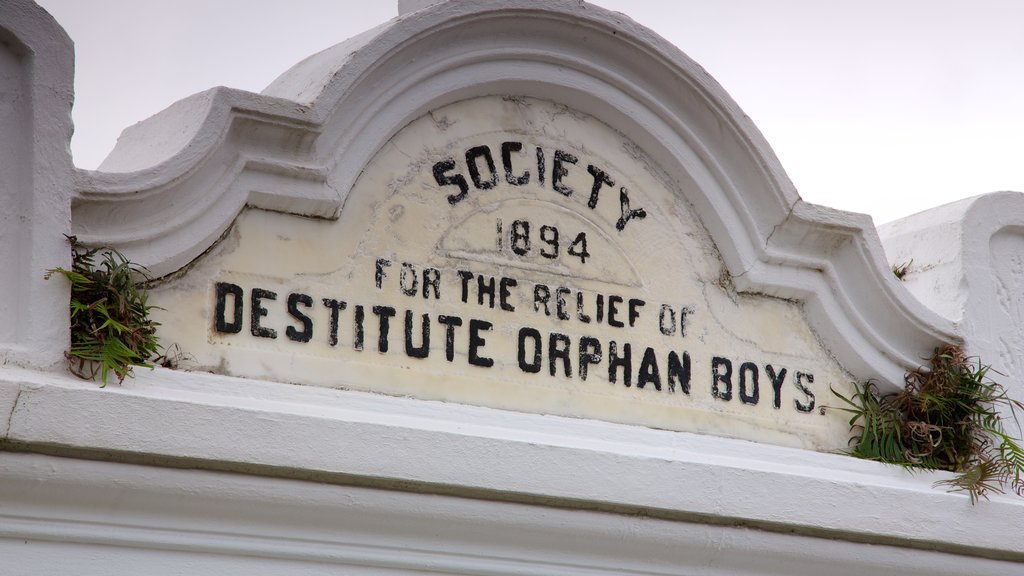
(886, 107)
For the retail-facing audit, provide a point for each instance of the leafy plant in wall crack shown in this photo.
(947, 417)
(901, 270)
(111, 330)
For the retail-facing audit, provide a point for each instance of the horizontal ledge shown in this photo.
(182, 419)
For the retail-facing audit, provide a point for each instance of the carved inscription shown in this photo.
(513, 254)
(421, 331)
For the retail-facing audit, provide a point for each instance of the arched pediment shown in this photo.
(176, 183)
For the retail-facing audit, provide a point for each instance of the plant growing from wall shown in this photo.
(901, 270)
(947, 417)
(111, 330)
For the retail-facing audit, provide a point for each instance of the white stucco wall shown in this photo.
(220, 474)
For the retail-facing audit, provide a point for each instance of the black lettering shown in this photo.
(506, 285)
(590, 353)
(220, 322)
(431, 279)
(476, 342)
(532, 334)
(649, 373)
(380, 274)
(777, 379)
(560, 293)
(485, 287)
(449, 323)
(754, 395)
(558, 170)
(507, 148)
(600, 178)
(384, 313)
(424, 348)
(258, 311)
(466, 277)
(627, 214)
(667, 320)
(612, 311)
(408, 275)
(541, 295)
(684, 313)
(615, 361)
(679, 372)
(800, 376)
(558, 348)
(335, 306)
(540, 165)
(294, 300)
(585, 318)
(474, 171)
(600, 309)
(443, 179)
(635, 304)
(718, 376)
(357, 324)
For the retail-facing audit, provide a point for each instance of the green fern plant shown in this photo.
(947, 417)
(111, 330)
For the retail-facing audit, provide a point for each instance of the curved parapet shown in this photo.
(964, 260)
(179, 180)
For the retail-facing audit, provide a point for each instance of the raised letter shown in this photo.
(599, 178)
(777, 380)
(679, 371)
(424, 348)
(380, 274)
(408, 275)
(440, 175)
(590, 353)
(558, 171)
(449, 322)
(220, 322)
(476, 342)
(294, 300)
(474, 171)
(755, 395)
(532, 334)
(383, 312)
(810, 395)
(507, 148)
(332, 325)
(627, 214)
(615, 361)
(612, 311)
(649, 370)
(723, 377)
(558, 348)
(258, 311)
(506, 285)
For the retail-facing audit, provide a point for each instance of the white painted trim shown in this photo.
(323, 120)
(955, 271)
(336, 436)
(56, 513)
(37, 61)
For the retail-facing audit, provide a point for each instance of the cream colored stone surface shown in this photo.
(656, 277)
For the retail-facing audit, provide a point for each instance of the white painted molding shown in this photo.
(56, 513)
(317, 126)
(202, 421)
(36, 64)
(967, 263)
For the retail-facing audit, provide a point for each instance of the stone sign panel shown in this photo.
(517, 254)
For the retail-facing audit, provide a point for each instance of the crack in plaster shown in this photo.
(768, 239)
(10, 417)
